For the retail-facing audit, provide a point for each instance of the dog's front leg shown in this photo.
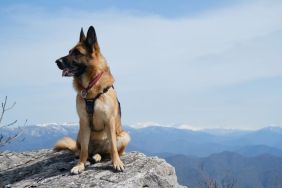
(83, 139)
(111, 131)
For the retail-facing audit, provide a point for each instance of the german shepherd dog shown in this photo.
(100, 131)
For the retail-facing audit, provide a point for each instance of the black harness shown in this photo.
(90, 104)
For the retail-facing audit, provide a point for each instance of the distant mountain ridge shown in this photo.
(40, 136)
(202, 143)
(245, 158)
(256, 150)
(158, 139)
(227, 168)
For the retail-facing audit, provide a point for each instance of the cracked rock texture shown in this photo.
(44, 168)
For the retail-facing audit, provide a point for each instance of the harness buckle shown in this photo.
(83, 93)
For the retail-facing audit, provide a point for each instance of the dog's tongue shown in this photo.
(66, 72)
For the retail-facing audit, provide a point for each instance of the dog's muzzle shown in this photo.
(60, 63)
(70, 68)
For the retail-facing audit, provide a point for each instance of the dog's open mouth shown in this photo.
(68, 72)
(74, 71)
(71, 69)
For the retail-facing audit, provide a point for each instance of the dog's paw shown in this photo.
(118, 165)
(122, 154)
(97, 158)
(77, 169)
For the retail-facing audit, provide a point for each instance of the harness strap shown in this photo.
(90, 104)
(84, 91)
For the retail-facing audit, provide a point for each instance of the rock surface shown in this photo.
(44, 168)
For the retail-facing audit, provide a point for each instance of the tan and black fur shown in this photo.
(84, 62)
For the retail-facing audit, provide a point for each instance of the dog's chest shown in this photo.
(99, 115)
(102, 110)
(98, 124)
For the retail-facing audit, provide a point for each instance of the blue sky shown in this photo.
(165, 8)
(199, 63)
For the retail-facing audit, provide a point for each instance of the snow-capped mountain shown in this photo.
(153, 138)
(38, 136)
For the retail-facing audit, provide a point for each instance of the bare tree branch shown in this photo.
(12, 106)
(209, 182)
(9, 124)
(4, 108)
(8, 138)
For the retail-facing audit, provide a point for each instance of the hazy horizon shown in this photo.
(147, 124)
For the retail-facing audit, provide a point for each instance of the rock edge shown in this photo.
(43, 168)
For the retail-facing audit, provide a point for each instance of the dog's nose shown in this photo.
(59, 63)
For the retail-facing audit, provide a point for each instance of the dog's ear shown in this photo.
(82, 36)
(91, 39)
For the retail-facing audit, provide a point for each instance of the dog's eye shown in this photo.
(76, 52)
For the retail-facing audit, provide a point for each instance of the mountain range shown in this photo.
(213, 156)
(156, 139)
(203, 143)
(228, 170)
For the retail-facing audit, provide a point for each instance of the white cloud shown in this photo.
(135, 45)
(152, 57)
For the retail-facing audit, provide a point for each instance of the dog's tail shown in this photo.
(66, 143)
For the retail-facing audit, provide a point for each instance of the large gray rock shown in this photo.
(44, 168)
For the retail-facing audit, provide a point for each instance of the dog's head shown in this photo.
(81, 56)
